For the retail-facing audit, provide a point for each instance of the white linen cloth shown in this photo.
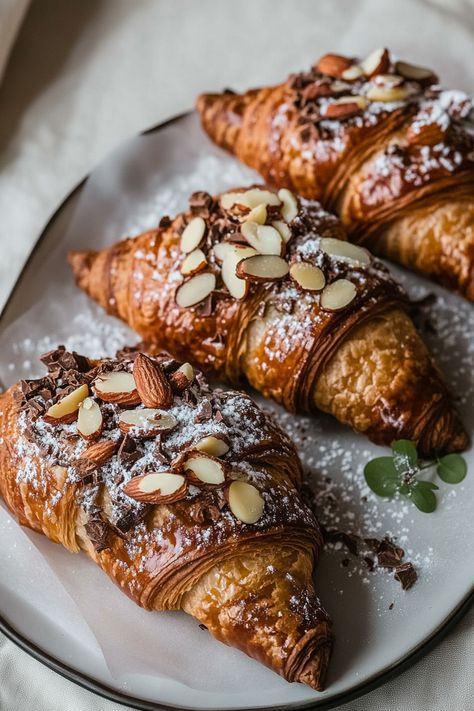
(86, 74)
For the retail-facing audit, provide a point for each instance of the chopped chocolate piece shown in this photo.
(388, 554)
(129, 519)
(369, 563)
(390, 607)
(205, 413)
(406, 575)
(87, 471)
(164, 223)
(202, 627)
(128, 452)
(204, 513)
(99, 532)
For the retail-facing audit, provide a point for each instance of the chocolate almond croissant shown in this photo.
(264, 285)
(378, 142)
(187, 497)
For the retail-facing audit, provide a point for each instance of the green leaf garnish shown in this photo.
(405, 456)
(381, 476)
(399, 473)
(423, 497)
(452, 468)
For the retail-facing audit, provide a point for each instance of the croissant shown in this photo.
(264, 285)
(187, 497)
(379, 143)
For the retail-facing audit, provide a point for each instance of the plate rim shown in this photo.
(99, 688)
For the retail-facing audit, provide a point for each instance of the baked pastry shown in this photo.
(187, 497)
(378, 142)
(263, 284)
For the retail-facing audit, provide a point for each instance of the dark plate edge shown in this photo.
(107, 692)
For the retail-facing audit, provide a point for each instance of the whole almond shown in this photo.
(153, 386)
(100, 452)
(333, 65)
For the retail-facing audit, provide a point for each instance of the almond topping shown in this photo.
(345, 251)
(283, 229)
(258, 214)
(148, 421)
(100, 452)
(245, 501)
(195, 289)
(262, 268)
(157, 488)
(377, 62)
(352, 73)
(237, 287)
(387, 94)
(152, 383)
(118, 387)
(345, 107)
(89, 419)
(182, 377)
(195, 262)
(65, 410)
(215, 445)
(411, 71)
(338, 295)
(308, 276)
(289, 209)
(263, 238)
(333, 64)
(205, 469)
(250, 198)
(192, 235)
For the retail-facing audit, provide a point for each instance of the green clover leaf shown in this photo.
(381, 476)
(452, 468)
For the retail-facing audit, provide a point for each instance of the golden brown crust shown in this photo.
(386, 160)
(193, 554)
(279, 336)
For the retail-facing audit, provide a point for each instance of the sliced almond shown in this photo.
(118, 387)
(205, 469)
(263, 238)
(333, 64)
(338, 295)
(262, 267)
(345, 251)
(152, 384)
(352, 73)
(345, 107)
(237, 287)
(249, 198)
(388, 80)
(308, 276)
(89, 420)
(412, 71)
(195, 262)
(283, 229)
(100, 452)
(195, 289)
(192, 235)
(66, 409)
(377, 62)
(148, 421)
(215, 445)
(289, 208)
(258, 214)
(157, 488)
(182, 377)
(339, 86)
(387, 94)
(245, 501)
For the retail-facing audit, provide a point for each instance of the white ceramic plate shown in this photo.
(151, 175)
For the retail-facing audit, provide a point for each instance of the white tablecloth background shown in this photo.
(86, 74)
